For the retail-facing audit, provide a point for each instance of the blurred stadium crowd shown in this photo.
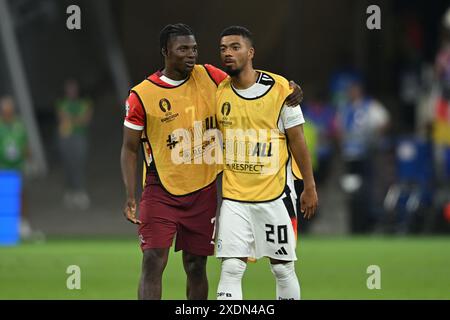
(387, 158)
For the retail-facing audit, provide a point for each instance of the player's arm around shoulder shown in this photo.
(296, 95)
(216, 74)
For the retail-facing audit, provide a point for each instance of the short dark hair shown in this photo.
(173, 30)
(238, 31)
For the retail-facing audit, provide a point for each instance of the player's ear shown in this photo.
(164, 52)
(251, 52)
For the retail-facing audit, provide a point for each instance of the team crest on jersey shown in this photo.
(165, 107)
(225, 111)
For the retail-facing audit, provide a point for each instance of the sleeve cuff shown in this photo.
(132, 126)
(292, 117)
(293, 124)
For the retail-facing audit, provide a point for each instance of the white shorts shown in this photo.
(256, 230)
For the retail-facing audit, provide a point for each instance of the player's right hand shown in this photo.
(130, 211)
(309, 202)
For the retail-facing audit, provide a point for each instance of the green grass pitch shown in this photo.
(328, 268)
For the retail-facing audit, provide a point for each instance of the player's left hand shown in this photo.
(296, 97)
(309, 202)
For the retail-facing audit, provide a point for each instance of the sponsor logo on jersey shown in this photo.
(225, 110)
(165, 107)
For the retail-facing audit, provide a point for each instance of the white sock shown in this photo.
(230, 284)
(288, 287)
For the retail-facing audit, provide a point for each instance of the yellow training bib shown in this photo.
(255, 151)
(178, 127)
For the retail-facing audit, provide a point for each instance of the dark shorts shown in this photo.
(191, 218)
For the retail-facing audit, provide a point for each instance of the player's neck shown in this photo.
(174, 74)
(245, 79)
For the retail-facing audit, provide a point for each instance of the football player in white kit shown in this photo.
(258, 216)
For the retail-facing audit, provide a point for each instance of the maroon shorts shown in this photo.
(191, 218)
